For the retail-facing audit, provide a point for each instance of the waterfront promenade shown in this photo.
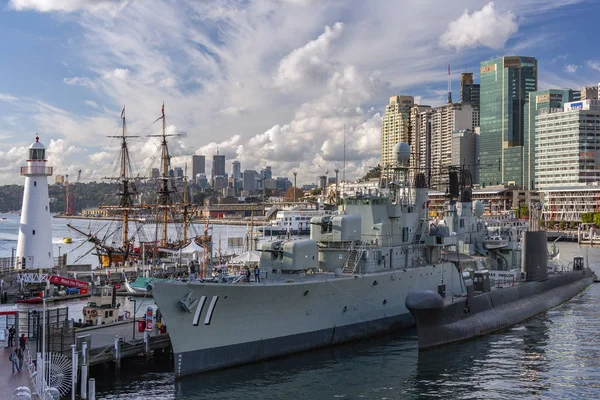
(9, 381)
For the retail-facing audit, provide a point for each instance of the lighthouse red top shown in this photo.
(37, 151)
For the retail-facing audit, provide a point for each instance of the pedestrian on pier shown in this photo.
(14, 359)
(257, 274)
(19, 357)
(22, 341)
(11, 336)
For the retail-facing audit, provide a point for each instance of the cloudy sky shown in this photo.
(266, 82)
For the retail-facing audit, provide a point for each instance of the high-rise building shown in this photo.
(198, 165)
(395, 127)
(567, 145)
(201, 181)
(266, 173)
(414, 139)
(218, 168)
(540, 102)
(178, 174)
(589, 93)
(465, 151)
(437, 126)
(236, 170)
(250, 178)
(59, 179)
(469, 91)
(282, 184)
(505, 86)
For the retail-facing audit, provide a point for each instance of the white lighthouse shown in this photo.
(34, 247)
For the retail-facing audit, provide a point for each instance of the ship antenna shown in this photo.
(449, 87)
(344, 168)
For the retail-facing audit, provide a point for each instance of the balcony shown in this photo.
(36, 171)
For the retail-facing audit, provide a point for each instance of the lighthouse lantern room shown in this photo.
(34, 246)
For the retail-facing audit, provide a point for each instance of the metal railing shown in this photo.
(31, 170)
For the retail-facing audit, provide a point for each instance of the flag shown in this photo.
(123, 113)
(163, 110)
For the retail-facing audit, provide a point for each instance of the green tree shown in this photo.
(597, 219)
(524, 212)
(587, 218)
(562, 225)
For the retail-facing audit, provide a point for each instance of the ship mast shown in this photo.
(124, 154)
(185, 206)
(127, 189)
(164, 191)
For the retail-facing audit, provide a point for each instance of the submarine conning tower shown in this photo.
(535, 256)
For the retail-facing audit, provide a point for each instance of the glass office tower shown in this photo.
(505, 84)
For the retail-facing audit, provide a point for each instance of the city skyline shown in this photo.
(263, 93)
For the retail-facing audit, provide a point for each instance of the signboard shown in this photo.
(488, 68)
(544, 98)
(576, 106)
(149, 319)
(528, 60)
(61, 280)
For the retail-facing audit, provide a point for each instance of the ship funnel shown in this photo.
(453, 184)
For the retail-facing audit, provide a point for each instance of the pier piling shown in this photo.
(84, 353)
(84, 379)
(92, 389)
(74, 362)
(118, 352)
(147, 345)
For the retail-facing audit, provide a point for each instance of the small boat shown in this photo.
(30, 300)
(3, 218)
(67, 240)
(103, 307)
(495, 242)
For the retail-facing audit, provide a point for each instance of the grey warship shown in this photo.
(348, 281)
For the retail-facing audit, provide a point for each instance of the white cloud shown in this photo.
(486, 27)
(594, 65)
(67, 5)
(7, 97)
(79, 81)
(119, 73)
(267, 82)
(572, 68)
(310, 63)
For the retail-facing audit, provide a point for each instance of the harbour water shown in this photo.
(555, 355)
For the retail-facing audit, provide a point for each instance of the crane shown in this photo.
(70, 197)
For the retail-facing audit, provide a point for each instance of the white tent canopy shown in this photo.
(192, 248)
(249, 257)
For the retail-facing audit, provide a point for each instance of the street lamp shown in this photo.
(134, 308)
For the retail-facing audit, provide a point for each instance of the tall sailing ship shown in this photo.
(134, 243)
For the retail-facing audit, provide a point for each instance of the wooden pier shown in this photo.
(120, 340)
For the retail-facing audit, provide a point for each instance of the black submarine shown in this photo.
(484, 309)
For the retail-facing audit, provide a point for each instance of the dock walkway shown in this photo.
(102, 342)
(9, 381)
